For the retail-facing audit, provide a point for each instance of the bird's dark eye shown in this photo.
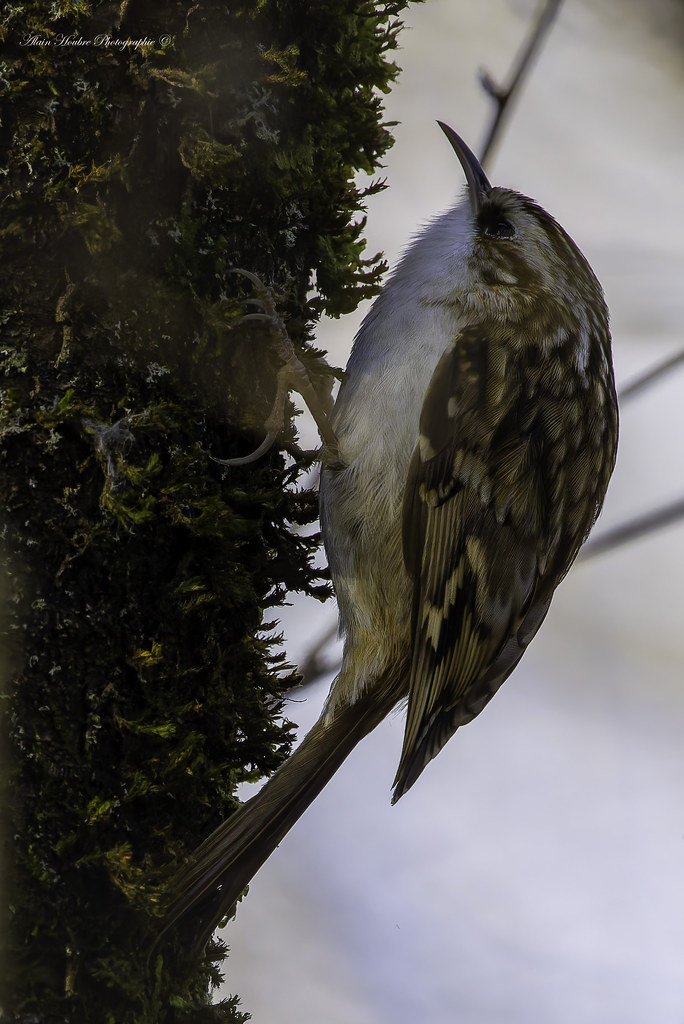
(499, 228)
(493, 222)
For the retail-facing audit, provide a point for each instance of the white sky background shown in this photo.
(535, 874)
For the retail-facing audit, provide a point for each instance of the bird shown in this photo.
(476, 432)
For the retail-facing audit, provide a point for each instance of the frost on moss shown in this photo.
(143, 679)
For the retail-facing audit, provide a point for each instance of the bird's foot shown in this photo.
(292, 376)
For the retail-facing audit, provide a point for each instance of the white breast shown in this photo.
(376, 418)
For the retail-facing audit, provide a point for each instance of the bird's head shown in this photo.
(515, 257)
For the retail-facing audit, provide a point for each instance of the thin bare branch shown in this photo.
(645, 380)
(503, 95)
(314, 664)
(640, 527)
(635, 529)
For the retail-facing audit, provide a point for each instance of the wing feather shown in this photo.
(475, 570)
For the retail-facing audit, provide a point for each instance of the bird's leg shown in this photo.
(292, 376)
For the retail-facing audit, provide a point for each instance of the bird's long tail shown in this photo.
(218, 871)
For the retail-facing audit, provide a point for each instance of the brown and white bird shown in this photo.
(477, 430)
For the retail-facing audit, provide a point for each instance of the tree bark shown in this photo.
(149, 150)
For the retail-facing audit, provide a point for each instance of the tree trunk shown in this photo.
(151, 149)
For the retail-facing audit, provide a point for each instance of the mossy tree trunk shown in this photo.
(148, 150)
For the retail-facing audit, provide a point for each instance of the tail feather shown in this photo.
(220, 869)
(416, 758)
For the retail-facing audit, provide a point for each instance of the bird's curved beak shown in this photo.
(478, 182)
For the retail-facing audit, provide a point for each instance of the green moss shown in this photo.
(145, 681)
(206, 159)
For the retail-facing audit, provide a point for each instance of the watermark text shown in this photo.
(102, 40)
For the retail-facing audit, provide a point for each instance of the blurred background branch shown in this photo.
(503, 96)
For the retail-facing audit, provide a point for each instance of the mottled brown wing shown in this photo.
(473, 499)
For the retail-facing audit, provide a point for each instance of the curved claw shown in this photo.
(263, 291)
(256, 281)
(274, 425)
(244, 460)
(263, 318)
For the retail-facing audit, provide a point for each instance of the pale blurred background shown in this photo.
(535, 874)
